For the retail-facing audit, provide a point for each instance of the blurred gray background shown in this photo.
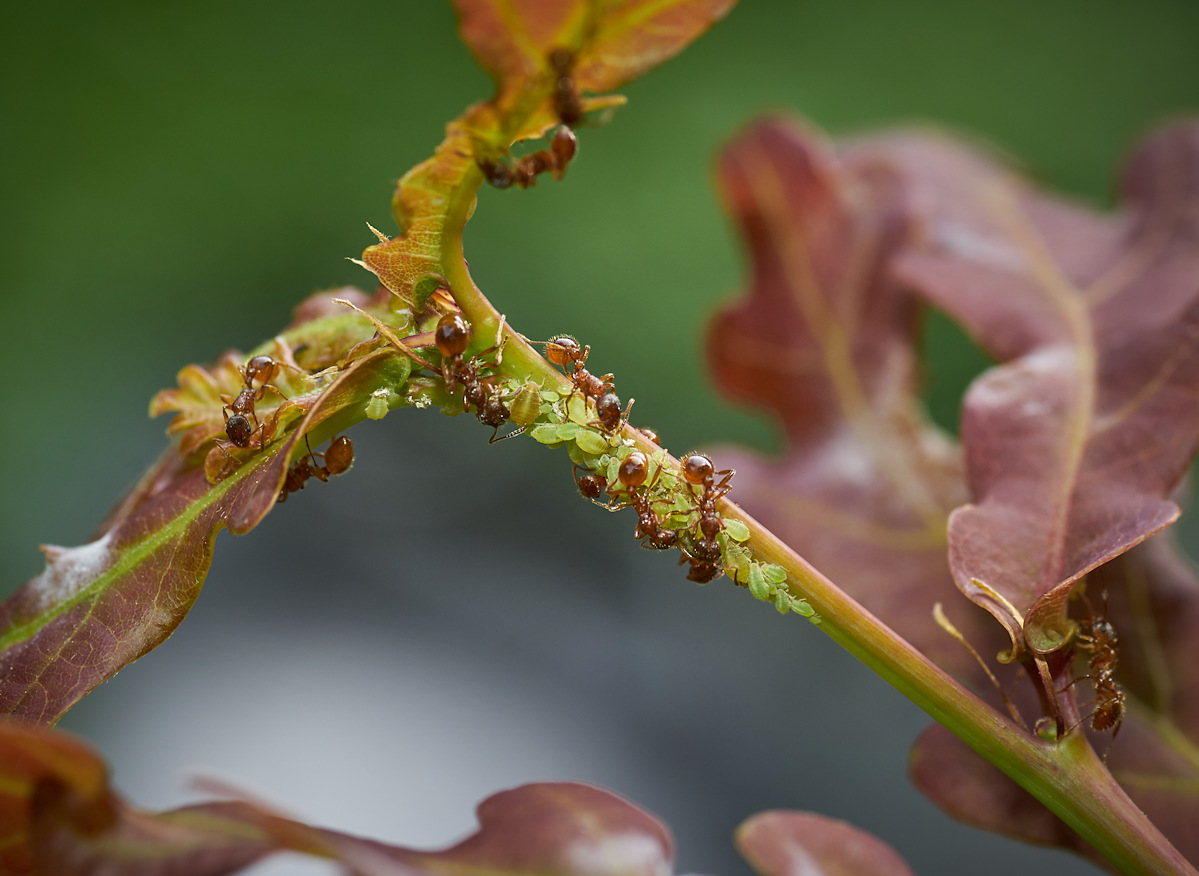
(449, 618)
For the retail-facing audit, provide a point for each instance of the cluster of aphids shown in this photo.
(568, 106)
(244, 429)
(675, 509)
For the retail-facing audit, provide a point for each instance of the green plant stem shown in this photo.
(1066, 776)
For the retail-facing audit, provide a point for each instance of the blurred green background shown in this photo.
(174, 177)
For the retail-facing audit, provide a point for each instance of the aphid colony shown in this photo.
(675, 507)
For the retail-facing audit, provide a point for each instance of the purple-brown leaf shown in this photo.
(1151, 597)
(783, 843)
(1074, 443)
(98, 607)
(824, 340)
(60, 816)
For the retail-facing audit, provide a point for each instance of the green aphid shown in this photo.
(782, 601)
(613, 468)
(578, 457)
(550, 396)
(552, 433)
(591, 441)
(377, 405)
(800, 606)
(774, 574)
(736, 530)
(739, 560)
(526, 407)
(758, 587)
(576, 411)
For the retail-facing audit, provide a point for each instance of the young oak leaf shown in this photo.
(202, 395)
(610, 43)
(1151, 597)
(824, 341)
(98, 607)
(64, 819)
(786, 843)
(1075, 441)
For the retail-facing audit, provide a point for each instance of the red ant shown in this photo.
(1097, 636)
(698, 470)
(452, 337)
(632, 474)
(237, 423)
(524, 172)
(565, 351)
(590, 484)
(567, 103)
(338, 459)
(608, 414)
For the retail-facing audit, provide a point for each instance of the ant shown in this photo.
(338, 459)
(237, 423)
(699, 471)
(567, 103)
(524, 172)
(452, 337)
(590, 484)
(632, 474)
(563, 350)
(1097, 636)
(608, 414)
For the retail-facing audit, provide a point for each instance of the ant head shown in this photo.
(493, 412)
(452, 335)
(562, 60)
(239, 430)
(590, 484)
(607, 408)
(697, 468)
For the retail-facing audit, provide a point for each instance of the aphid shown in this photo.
(377, 406)
(452, 337)
(524, 410)
(632, 474)
(1097, 636)
(567, 103)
